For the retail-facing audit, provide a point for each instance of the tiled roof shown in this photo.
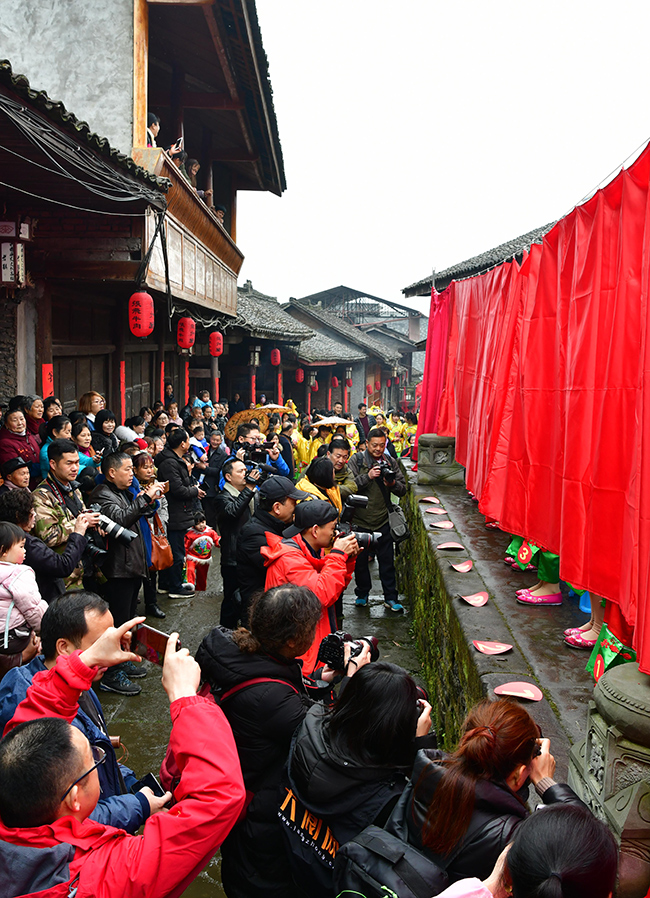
(480, 263)
(348, 331)
(262, 316)
(321, 348)
(57, 113)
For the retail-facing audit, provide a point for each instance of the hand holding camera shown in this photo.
(544, 763)
(424, 720)
(348, 544)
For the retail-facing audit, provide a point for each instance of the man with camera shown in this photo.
(338, 452)
(234, 505)
(45, 834)
(251, 449)
(299, 558)
(274, 512)
(125, 565)
(377, 475)
(58, 504)
(172, 467)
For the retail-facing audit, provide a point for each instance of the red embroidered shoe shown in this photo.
(578, 641)
(527, 598)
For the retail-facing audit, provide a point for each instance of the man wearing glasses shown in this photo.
(58, 762)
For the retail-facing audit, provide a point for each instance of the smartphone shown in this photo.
(179, 143)
(165, 486)
(151, 644)
(149, 780)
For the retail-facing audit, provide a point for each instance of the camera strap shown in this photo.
(389, 505)
(67, 498)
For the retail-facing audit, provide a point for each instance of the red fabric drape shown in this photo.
(551, 385)
(435, 364)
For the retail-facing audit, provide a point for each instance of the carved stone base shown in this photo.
(436, 460)
(611, 773)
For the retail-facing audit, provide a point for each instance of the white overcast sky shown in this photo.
(419, 133)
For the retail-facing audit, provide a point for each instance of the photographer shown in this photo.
(338, 452)
(58, 504)
(234, 505)
(251, 448)
(377, 475)
(299, 559)
(125, 565)
(274, 512)
(263, 716)
(347, 768)
(88, 858)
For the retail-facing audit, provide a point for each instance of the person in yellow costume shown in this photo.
(396, 430)
(319, 481)
(323, 436)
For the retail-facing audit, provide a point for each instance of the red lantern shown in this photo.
(397, 381)
(275, 357)
(335, 382)
(186, 333)
(377, 386)
(348, 382)
(141, 317)
(388, 382)
(368, 389)
(314, 387)
(216, 343)
(300, 375)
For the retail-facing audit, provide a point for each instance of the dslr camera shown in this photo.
(386, 472)
(113, 530)
(255, 459)
(365, 540)
(332, 649)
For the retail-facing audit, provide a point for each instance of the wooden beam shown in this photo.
(140, 71)
(95, 270)
(177, 125)
(59, 349)
(194, 99)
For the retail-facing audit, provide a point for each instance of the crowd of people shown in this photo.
(289, 741)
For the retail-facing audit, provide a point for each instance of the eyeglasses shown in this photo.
(99, 756)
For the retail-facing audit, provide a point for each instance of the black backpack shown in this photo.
(380, 863)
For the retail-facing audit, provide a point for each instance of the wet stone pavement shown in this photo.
(143, 722)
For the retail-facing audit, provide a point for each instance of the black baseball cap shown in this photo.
(309, 513)
(13, 464)
(278, 488)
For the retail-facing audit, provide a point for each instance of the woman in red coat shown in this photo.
(16, 440)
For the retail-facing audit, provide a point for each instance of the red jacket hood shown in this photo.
(85, 835)
(279, 546)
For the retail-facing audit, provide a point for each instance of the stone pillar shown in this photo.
(610, 770)
(437, 462)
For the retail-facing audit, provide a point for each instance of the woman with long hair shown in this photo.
(563, 853)
(347, 767)
(319, 481)
(467, 806)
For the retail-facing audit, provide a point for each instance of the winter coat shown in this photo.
(55, 523)
(24, 445)
(286, 451)
(345, 482)
(50, 567)
(327, 783)
(182, 494)
(251, 569)
(332, 495)
(124, 509)
(104, 442)
(263, 718)
(117, 806)
(18, 585)
(174, 847)
(291, 561)
(497, 814)
(376, 514)
(233, 511)
(216, 459)
(362, 434)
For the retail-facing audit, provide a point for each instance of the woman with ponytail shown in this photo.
(563, 853)
(467, 806)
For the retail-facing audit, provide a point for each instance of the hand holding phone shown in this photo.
(151, 644)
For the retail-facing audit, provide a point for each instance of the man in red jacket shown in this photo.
(298, 557)
(56, 760)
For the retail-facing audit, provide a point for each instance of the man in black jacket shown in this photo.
(274, 513)
(125, 565)
(172, 467)
(234, 509)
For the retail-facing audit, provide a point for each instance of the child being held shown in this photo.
(21, 605)
(199, 542)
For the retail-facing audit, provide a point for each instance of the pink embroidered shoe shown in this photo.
(571, 630)
(577, 641)
(527, 598)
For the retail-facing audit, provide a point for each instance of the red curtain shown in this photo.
(551, 385)
(435, 363)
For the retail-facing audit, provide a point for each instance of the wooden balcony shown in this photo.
(204, 260)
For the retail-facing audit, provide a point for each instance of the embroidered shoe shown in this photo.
(527, 598)
(577, 641)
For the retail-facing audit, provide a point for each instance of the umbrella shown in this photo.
(276, 408)
(243, 418)
(332, 421)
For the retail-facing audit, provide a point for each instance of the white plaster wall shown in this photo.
(26, 343)
(81, 53)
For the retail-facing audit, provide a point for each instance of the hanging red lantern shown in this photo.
(377, 386)
(141, 317)
(368, 389)
(314, 387)
(335, 382)
(276, 358)
(186, 333)
(300, 375)
(216, 343)
(397, 381)
(388, 382)
(348, 382)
